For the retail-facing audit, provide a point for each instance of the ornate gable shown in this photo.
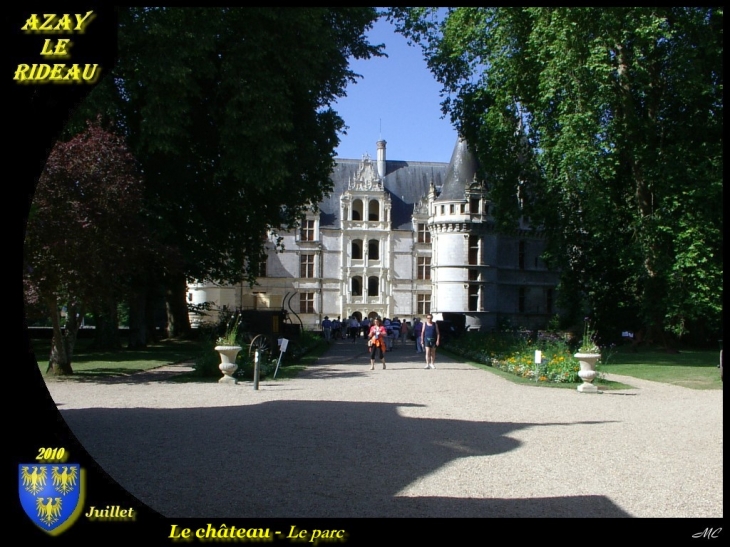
(366, 177)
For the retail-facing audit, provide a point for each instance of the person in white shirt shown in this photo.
(354, 327)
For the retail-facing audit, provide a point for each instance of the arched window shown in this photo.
(374, 249)
(357, 210)
(357, 249)
(374, 210)
(356, 286)
(373, 285)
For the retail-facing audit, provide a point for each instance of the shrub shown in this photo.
(206, 364)
(267, 365)
(514, 352)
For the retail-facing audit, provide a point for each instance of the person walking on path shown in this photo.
(387, 323)
(404, 333)
(417, 330)
(327, 329)
(365, 326)
(377, 337)
(430, 339)
(354, 326)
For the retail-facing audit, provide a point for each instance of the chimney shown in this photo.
(381, 158)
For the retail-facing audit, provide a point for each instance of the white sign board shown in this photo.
(283, 343)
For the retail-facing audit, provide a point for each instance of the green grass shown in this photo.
(695, 369)
(88, 363)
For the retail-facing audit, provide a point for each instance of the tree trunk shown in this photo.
(64, 339)
(178, 322)
(106, 335)
(138, 319)
(155, 310)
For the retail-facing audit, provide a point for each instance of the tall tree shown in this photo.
(84, 237)
(229, 112)
(612, 120)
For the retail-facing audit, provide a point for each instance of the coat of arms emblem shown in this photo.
(52, 494)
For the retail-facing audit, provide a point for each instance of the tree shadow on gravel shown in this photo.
(305, 459)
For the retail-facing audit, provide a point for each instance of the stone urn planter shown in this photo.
(228, 362)
(587, 371)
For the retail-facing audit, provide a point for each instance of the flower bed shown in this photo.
(514, 352)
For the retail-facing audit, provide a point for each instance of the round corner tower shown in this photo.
(460, 231)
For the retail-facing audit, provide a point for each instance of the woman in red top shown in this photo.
(377, 336)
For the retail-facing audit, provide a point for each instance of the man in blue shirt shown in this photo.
(327, 328)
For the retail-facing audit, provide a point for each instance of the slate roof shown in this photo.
(406, 181)
(462, 169)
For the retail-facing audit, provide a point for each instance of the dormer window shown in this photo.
(307, 231)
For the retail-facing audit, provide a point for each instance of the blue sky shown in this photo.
(398, 100)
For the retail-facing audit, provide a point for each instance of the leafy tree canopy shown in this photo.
(608, 124)
(228, 110)
(84, 236)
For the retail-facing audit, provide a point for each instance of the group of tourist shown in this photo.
(381, 335)
(335, 329)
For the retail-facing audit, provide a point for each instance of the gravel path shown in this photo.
(343, 441)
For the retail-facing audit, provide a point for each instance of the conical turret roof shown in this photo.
(461, 171)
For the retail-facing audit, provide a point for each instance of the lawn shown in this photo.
(696, 369)
(88, 363)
